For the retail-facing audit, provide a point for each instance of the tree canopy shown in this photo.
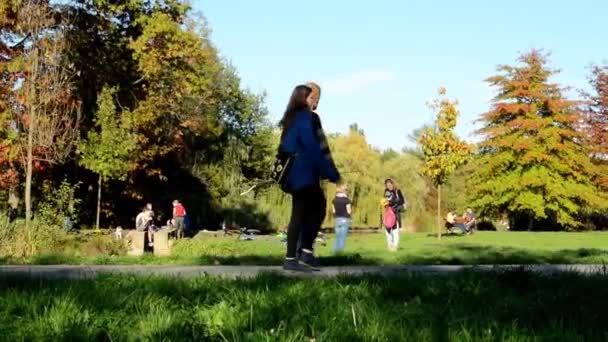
(533, 161)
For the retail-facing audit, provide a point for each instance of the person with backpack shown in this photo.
(308, 164)
(395, 205)
(179, 214)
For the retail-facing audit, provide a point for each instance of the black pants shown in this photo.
(307, 215)
(322, 208)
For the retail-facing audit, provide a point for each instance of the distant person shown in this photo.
(396, 201)
(144, 222)
(342, 210)
(179, 214)
(299, 137)
(452, 222)
(470, 221)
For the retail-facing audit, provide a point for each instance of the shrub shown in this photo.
(59, 204)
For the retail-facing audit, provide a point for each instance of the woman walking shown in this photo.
(396, 203)
(309, 166)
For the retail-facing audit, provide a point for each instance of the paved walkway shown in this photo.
(83, 271)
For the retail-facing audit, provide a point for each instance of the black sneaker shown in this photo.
(309, 260)
(294, 265)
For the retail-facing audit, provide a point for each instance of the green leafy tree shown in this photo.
(533, 162)
(109, 152)
(443, 151)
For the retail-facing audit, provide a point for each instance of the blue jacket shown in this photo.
(310, 164)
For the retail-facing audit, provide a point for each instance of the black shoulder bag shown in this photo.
(280, 169)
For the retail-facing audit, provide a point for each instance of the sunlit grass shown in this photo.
(513, 306)
(361, 249)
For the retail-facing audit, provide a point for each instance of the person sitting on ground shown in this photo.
(450, 221)
(453, 222)
(470, 220)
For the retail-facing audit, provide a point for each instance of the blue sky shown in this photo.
(379, 62)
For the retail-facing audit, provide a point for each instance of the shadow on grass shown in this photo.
(512, 305)
(338, 260)
(457, 255)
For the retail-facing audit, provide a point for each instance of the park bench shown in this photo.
(137, 244)
(163, 240)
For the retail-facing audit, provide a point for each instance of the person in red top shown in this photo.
(179, 213)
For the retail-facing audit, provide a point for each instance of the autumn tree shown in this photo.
(109, 152)
(443, 151)
(44, 110)
(9, 50)
(533, 163)
(595, 120)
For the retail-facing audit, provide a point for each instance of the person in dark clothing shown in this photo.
(309, 166)
(313, 102)
(397, 201)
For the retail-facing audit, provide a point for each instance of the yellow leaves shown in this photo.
(442, 149)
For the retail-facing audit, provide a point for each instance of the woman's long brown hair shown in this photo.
(297, 102)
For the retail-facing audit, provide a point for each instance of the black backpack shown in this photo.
(280, 169)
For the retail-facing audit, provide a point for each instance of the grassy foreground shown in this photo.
(514, 306)
(362, 249)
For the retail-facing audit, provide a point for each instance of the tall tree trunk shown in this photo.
(439, 211)
(98, 202)
(32, 100)
(33, 116)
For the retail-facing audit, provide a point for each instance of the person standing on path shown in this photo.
(397, 203)
(342, 210)
(310, 165)
(313, 100)
(179, 213)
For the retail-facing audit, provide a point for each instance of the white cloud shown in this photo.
(357, 82)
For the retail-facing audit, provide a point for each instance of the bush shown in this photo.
(46, 230)
(59, 204)
(17, 242)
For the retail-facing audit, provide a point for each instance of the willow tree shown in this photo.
(443, 151)
(534, 163)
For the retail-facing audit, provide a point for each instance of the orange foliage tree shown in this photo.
(533, 161)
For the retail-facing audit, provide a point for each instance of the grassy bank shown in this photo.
(514, 306)
(362, 249)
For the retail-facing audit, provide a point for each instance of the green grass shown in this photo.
(362, 249)
(513, 306)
